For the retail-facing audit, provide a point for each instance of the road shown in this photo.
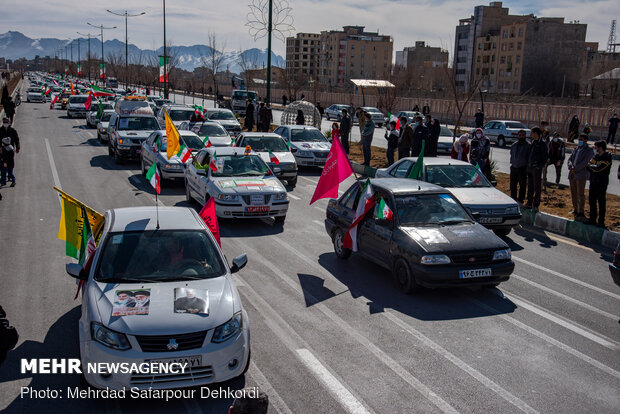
(327, 335)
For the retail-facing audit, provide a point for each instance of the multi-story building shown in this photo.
(354, 54)
(421, 55)
(302, 55)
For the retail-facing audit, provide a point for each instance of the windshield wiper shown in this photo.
(127, 280)
(448, 222)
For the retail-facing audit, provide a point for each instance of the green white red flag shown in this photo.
(184, 153)
(207, 142)
(213, 162)
(365, 204)
(152, 175)
(385, 213)
(273, 158)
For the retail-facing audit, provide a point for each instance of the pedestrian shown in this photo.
(302, 97)
(405, 138)
(578, 174)
(557, 154)
(434, 129)
(573, 129)
(9, 109)
(519, 154)
(479, 118)
(300, 120)
(335, 131)
(345, 129)
(420, 135)
(599, 168)
(480, 151)
(426, 110)
(367, 135)
(249, 116)
(613, 127)
(536, 161)
(391, 135)
(460, 148)
(265, 117)
(284, 100)
(7, 162)
(416, 108)
(546, 135)
(320, 109)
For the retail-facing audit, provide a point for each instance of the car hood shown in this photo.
(285, 156)
(228, 122)
(161, 318)
(455, 238)
(309, 146)
(224, 141)
(134, 134)
(487, 196)
(247, 185)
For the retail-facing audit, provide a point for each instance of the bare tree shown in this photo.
(460, 100)
(213, 61)
(247, 63)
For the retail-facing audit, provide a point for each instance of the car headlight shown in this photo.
(502, 254)
(103, 130)
(227, 197)
(512, 210)
(280, 196)
(435, 259)
(108, 337)
(227, 330)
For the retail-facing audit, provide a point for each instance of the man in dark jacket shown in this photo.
(265, 117)
(9, 110)
(345, 130)
(420, 134)
(405, 138)
(249, 116)
(320, 109)
(557, 154)
(537, 159)
(7, 131)
(479, 117)
(519, 154)
(426, 110)
(613, 127)
(433, 135)
(599, 167)
(391, 135)
(367, 134)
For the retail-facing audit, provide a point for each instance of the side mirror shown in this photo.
(77, 271)
(475, 215)
(494, 183)
(239, 263)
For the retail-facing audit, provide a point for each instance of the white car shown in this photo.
(264, 142)
(218, 136)
(308, 145)
(76, 106)
(35, 94)
(91, 116)
(241, 184)
(154, 150)
(445, 141)
(226, 118)
(103, 124)
(335, 112)
(496, 210)
(376, 115)
(159, 290)
(177, 114)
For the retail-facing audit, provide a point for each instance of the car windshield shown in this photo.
(307, 135)
(515, 125)
(158, 256)
(34, 90)
(462, 176)
(221, 116)
(240, 165)
(445, 132)
(244, 95)
(138, 123)
(161, 102)
(425, 209)
(106, 105)
(371, 109)
(77, 99)
(264, 144)
(180, 114)
(191, 141)
(209, 130)
(106, 117)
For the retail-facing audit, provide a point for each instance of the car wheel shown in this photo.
(117, 157)
(338, 241)
(99, 137)
(292, 182)
(327, 117)
(500, 141)
(280, 219)
(502, 232)
(142, 166)
(404, 280)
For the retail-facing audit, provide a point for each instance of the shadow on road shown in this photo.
(107, 163)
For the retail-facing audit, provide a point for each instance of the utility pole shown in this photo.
(269, 29)
(165, 57)
(79, 65)
(126, 14)
(102, 67)
(87, 34)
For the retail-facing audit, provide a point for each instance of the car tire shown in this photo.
(292, 182)
(403, 278)
(327, 117)
(280, 219)
(501, 142)
(338, 242)
(117, 158)
(99, 137)
(502, 232)
(142, 166)
(110, 150)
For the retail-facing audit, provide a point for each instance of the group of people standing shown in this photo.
(263, 117)
(477, 151)
(409, 138)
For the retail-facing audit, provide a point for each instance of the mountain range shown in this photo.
(15, 45)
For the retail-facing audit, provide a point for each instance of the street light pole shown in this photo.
(79, 65)
(87, 34)
(126, 14)
(102, 74)
(165, 60)
(269, 29)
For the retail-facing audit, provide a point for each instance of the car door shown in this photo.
(192, 176)
(149, 147)
(375, 235)
(112, 129)
(488, 130)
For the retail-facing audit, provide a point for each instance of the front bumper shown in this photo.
(131, 152)
(500, 222)
(240, 210)
(169, 174)
(446, 276)
(76, 113)
(310, 161)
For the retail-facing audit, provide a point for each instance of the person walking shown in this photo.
(613, 127)
(426, 110)
(573, 129)
(460, 148)
(578, 174)
(557, 154)
(420, 134)
(479, 118)
(320, 109)
(300, 120)
(345, 129)
(9, 110)
(416, 108)
(434, 129)
(536, 161)
(405, 138)
(599, 168)
(249, 116)
(265, 117)
(480, 152)
(284, 99)
(519, 154)
(367, 135)
(391, 135)
(7, 162)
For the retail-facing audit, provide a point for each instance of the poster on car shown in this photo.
(131, 302)
(188, 300)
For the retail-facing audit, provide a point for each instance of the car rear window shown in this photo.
(459, 176)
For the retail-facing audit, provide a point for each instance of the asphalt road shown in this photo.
(327, 335)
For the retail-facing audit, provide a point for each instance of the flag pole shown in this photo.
(157, 209)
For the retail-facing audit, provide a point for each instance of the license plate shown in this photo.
(191, 361)
(259, 209)
(491, 220)
(257, 199)
(468, 274)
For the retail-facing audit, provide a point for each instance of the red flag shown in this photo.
(337, 169)
(208, 215)
(89, 101)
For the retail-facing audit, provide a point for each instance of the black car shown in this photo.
(614, 267)
(431, 240)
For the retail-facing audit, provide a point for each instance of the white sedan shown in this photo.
(159, 291)
(269, 145)
(308, 144)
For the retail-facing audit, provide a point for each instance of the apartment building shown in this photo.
(302, 55)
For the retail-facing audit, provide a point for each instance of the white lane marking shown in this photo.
(322, 210)
(320, 223)
(548, 339)
(558, 274)
(345, 327)
(308, 179)
(285, 333)
(294, 197)
(274, 398)
(487, 382)
(53, 167)
(338, 391)
(572, 326)
(566, 297)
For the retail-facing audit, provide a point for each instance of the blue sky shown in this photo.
(189, 21)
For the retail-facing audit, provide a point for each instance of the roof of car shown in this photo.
(228, 151)
(218, 110)
(260, 134)
(183, 132)
(145, 218)
(404, 185)
(438, 161)
(299, 127)
(178, 106)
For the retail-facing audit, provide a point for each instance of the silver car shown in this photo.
(103, 124)
(177, 114)
(335, 111)
(214, 130)
(76, 106)
(308, 144)
(268, 144)
(35, 94)
(91, 116)
(504, 132)
(445, 141)
(376, 115)
(226, 118)
(154, 150)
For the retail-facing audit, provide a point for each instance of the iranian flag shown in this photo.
(54, 100)
(163, 76)
(385, 213)
(89, 101)
(207, 142)
(97, 91)
(364, 205)
(47, 92)
(213, 162)
(391, 118)
(273, 158)
(153, 176)
(232, 142)
(416, 172)
(184, 153)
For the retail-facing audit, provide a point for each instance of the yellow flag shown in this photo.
(72, 88)
(172, 137)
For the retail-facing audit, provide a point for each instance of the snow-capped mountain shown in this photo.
(15, 45)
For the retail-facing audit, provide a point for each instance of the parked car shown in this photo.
(177, 114)
(150, 261)
(308, 145)
(266, 144)
(495, 209)
(504, 132)
(214, 130)
(226, 118)
(444, 144)
(102, 125)
(376, 115)
(429, 241)
(410, 115)
(154, 150)
(335, 111)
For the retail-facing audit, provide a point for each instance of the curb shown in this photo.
(544, 221)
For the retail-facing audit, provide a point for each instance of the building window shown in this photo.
(479, 46)
(478, 59)
(519, 44)
(503, 46)
(493, 58)
(516, 71)
(501, 73)
(512, 46)
(505, 35)
(502, 60)
(352, 47)
(520, 32)
(516, 85)
(509, 59)
(491, 83)
(500, 85)
(494, 45)
(518, 58)
(477, 71)
(363, 47)
(492, 71)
